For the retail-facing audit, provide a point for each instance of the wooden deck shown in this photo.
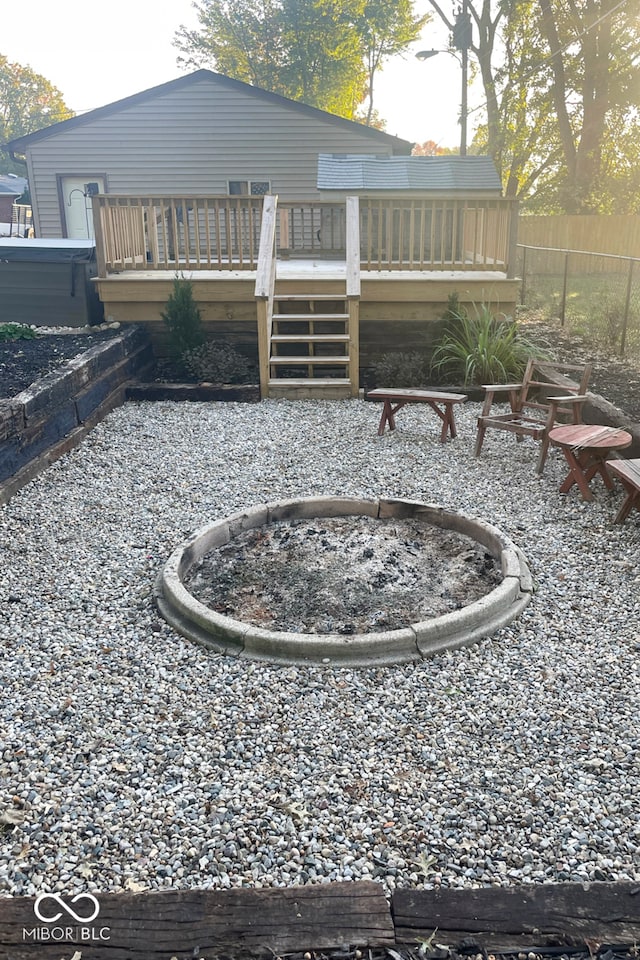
(397, 310)
(261, 273)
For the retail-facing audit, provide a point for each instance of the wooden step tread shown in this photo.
(309, 298)
(310, 338)
(305, 381)
(305, 361)
(307, 317)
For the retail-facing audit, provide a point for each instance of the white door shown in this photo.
(76, 201)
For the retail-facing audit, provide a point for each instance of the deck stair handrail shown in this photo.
(176, 233)
(307, 341)
(353, 289)
(265, 286)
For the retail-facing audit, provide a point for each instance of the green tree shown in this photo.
(560, 84)
(304, 51)
(28, 102)
(325, 53)
(183, 318)
(593, 47)
(519, 132)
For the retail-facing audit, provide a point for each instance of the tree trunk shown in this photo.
(582, 150)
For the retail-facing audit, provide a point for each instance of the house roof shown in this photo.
(12, 186)
(377, 136)
(446, 174)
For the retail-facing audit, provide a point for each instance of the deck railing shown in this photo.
(21, 220)
(175, 233)
(446, 233)
(310, 229)
(223, 232)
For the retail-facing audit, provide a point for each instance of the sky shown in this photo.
(97, 53)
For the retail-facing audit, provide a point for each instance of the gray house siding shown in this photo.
(192, 136)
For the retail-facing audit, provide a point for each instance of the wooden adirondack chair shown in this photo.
(548, 392)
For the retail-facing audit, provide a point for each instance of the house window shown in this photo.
(246, 188)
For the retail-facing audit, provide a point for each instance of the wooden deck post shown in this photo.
(101, 258)
(353, 290)
(265, 283)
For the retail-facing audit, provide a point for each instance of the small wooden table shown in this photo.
(586, 448)
(628, 473)
(440, 402)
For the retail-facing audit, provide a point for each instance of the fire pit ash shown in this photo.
(343, 575)
(343, 580)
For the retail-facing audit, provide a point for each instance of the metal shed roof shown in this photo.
(445, 174)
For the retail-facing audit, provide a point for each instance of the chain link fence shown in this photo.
(594, 295)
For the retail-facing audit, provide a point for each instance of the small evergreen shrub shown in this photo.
(183, 318)
(217, 363)
(401, 370)
(16, 331)
(482, 349)
(454, 311)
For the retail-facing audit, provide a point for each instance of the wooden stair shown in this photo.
(309, 349)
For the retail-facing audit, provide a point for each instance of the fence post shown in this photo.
(523, 285)
(564, 288)
(627, 304)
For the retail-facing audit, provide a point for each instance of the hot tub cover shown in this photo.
(16, 250)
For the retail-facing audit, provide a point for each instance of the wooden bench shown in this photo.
(395, 399)
(628, 473)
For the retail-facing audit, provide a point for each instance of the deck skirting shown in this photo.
(398, 309)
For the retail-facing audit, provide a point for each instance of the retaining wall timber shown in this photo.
(598, 410)
(56, 412)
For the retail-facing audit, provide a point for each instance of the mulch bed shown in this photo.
(22, 362)
(615, 379)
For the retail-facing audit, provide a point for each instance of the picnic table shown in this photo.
(586, 447)
(394, 399)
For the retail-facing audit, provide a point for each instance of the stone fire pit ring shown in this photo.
(224, 634)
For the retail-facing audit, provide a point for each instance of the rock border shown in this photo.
(223, 634)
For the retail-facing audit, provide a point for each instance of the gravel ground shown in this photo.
(132, 759)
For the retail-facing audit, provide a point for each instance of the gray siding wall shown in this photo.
(193, 139)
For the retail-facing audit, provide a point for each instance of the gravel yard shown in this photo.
(132, 759)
